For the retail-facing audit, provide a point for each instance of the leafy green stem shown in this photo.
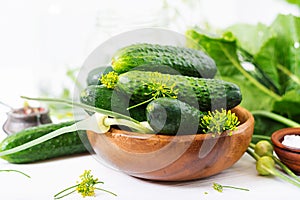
(57, 196)
(277, 161)
(265, 165)
(276, 117)
(218, 187)
(283, 177)
(249, 77)
(12, 170)
(99, 123)
(286, 169)
(288, 73)
(39, 140)
(83, 106)
(262, 137)
(139, 104)
(252, 154)
(106, 191)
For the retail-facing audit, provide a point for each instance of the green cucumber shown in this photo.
(101, 97)
(63, 145)
(94, 76)
(180, 60)
(173, 117)
(204, 94)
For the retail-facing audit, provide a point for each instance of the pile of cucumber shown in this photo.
(169, 87)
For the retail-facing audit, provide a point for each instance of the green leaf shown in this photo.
(296, 2)
(253, 99)
(267, 60)
(259, 40)
(290, 103)
(251, 37)
(287, 29)
(265, 126)
(264, 61)
(223, 50)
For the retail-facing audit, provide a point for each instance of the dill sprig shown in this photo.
(158, 87)
(110, 79)
(218, 121)
(161, 86)
(86, 187)
(218, 187)
(17, 171)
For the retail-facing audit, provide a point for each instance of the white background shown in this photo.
(41, 40)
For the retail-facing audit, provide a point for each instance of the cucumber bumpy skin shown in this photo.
(181, 60)
(172, 117)
(101, 97)
(63, 145)
(204, 94)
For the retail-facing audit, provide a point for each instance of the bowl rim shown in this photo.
(278, 135)
(187, 137)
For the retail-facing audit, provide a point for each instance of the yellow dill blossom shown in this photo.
(110, 80)
(218, 121)
(158, 87)
(86, 187)
(161, 86)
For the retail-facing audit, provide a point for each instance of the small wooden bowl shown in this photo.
(288, 155)
(173, 158)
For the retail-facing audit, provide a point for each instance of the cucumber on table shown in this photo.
(101, 97)
(173, 117)
(63, 145)
(179, 60)
(204, 94)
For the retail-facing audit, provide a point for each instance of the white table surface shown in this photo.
(50, 177)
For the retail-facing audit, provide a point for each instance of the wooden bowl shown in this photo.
(288, 155)
(173, 158)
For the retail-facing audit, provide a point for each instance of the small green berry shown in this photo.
(263, 148)
(265, 165)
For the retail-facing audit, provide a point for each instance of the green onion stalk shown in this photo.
(100, 123)
(262, 151)
(265, 166)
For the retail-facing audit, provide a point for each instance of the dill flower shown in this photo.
(218, 121)
(110, 80)
(86, 187)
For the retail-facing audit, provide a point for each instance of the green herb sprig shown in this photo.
(86, 187)
(17, 171)
(110, 80)
(218, 187)
(158, 89)
(218, 121)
